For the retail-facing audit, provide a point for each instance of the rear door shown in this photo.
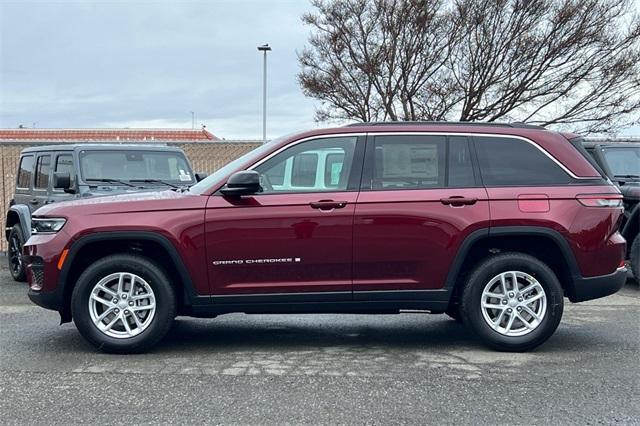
(420, 198)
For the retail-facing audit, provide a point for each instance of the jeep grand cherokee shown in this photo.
(493, 224)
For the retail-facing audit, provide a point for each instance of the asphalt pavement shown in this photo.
(322, 369)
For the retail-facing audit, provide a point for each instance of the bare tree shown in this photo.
(572, 63)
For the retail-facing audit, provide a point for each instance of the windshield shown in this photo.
(136, 166)
(248, 158)
(623, 161)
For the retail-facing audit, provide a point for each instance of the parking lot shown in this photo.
(241, 369)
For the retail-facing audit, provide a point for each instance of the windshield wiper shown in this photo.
(109, 180)
(155, 181)
(627, 176)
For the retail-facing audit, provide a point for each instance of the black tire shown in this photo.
(156, 278)
(472, 294)
(634, 258)
(14, 254)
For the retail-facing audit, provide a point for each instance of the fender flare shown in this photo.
(24, 219)
(515, 231)
(190, 296)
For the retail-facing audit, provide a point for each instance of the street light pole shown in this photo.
(264, 48)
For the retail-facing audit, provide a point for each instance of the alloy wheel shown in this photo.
(514, 303)
(122, 305)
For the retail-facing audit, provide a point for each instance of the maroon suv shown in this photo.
(491, 224)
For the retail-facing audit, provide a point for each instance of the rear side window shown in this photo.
(409, 162)
(43, 167)
(25, 171)
(420, 162)
(515, 162)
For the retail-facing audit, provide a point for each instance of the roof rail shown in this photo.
(445, 123)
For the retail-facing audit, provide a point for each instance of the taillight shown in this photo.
(600, 200)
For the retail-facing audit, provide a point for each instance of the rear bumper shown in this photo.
(596, 287)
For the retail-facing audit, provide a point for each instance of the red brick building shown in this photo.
(107, 135)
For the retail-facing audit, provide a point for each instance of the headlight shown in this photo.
(47, 225)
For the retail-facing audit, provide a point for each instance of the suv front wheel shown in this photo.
(513, 301)
(123, 304)
(16, 263)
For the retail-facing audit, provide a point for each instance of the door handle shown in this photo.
(327, 204)
(458, 201)
(33, 201)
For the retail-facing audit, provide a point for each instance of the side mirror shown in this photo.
(242, 183)
(201, 176)
(62, 181)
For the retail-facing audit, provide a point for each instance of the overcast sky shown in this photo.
(149, 63)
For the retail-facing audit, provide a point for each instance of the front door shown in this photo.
(293, 240)
(41, 182)
(420, 198)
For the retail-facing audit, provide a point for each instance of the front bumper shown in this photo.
(596, 287)
(47, 299)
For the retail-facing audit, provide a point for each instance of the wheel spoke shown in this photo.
(497, 322)
(120, 283)
(493, 306)
(514, 281)
(133, 286)
(137, 320)
(111, 324)
(106, 290)
(503, 283)
(104, 314)
(101, 300)
(125, 322)
(493, 295)
(525, 322)
(143, 307)
(510, 323)
(534, 298)
(530, 312)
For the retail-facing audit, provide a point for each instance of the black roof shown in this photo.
(102, 147)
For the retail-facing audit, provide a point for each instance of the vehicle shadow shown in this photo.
(285, 332)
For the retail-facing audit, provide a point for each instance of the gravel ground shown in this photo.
(322, 369)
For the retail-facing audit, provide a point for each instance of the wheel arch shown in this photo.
(545, 244)
(157, 248)
(18, 214)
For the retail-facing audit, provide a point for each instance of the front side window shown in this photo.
(515, 162)
(64, 164)
(25, 172)
(312, 166)
(43, 167)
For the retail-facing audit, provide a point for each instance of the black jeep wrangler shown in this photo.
(620, 161)
(54, 173)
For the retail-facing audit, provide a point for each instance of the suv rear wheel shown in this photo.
(123, 304)
(513, 301)
(16, 263)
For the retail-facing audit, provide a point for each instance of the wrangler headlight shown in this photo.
(47, 225)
